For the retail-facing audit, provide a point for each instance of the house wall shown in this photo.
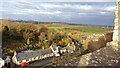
(14, 59)
(2, 62)
(32, 59)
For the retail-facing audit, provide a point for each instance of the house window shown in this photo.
(48, 55)
(42, 57)
(32, 58)
(45, 56)
(39, 57)
(36, 58)
(29, 59)
(24, 60)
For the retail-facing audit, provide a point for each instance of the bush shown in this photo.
(43, 29)
(92, 45)
(108, 36)
(87, 43)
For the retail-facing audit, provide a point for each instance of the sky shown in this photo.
(96, 12)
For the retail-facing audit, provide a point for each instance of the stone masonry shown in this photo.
(116, 33)
(109, 55)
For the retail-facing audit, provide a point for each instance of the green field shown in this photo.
(79, 28)
(19, 35)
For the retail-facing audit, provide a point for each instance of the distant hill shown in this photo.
(38, 22)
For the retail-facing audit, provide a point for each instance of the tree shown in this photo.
(51, 36)
(66, 41)
(42, 37)
(29, 38)
(5, 33)
(43, 29)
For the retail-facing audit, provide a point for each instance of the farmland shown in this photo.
(29, 35)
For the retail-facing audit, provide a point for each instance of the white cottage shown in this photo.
(2, 62)
(29, 56)
(55, 50)
(70, 48)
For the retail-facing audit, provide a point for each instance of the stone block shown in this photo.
(116, 35)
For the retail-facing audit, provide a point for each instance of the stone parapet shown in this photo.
(116, 36)
(116, 32)
(106, 56)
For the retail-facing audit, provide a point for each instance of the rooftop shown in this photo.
(31, 54)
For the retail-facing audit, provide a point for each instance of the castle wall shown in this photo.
(116, 34)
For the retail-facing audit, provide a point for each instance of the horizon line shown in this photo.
(36, 21)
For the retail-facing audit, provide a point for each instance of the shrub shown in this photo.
(87, 43)
(43, 29)
(92, 45)
(108, 36)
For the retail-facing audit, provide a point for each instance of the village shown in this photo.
(33, 43)
(23, 58)
(45, 44)
(29, 57)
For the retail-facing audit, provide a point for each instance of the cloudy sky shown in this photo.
(97, 12)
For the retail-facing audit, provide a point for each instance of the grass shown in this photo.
(75, 31)
(70, 28)
(79, 29)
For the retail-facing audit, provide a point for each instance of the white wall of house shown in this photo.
(14, 58)
(2, 62)
(37, 58)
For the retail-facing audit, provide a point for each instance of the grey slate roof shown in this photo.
(32, 54)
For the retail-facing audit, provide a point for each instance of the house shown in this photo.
(55, 49)
(7, 60)
(2, 62)
(29, 55)
(70, 48)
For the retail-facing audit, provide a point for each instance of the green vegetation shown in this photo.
(21, 35)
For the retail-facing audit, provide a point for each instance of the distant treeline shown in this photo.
(38, 22)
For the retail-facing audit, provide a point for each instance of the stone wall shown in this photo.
(116, 32)
(107, 56)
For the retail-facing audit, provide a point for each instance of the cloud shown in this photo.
(79, 7)
(82, 13)
(47, 5)
(33, 12)
(55, 12)
(102, 12)
(110, 8)
(50, 11)
(65, 0)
